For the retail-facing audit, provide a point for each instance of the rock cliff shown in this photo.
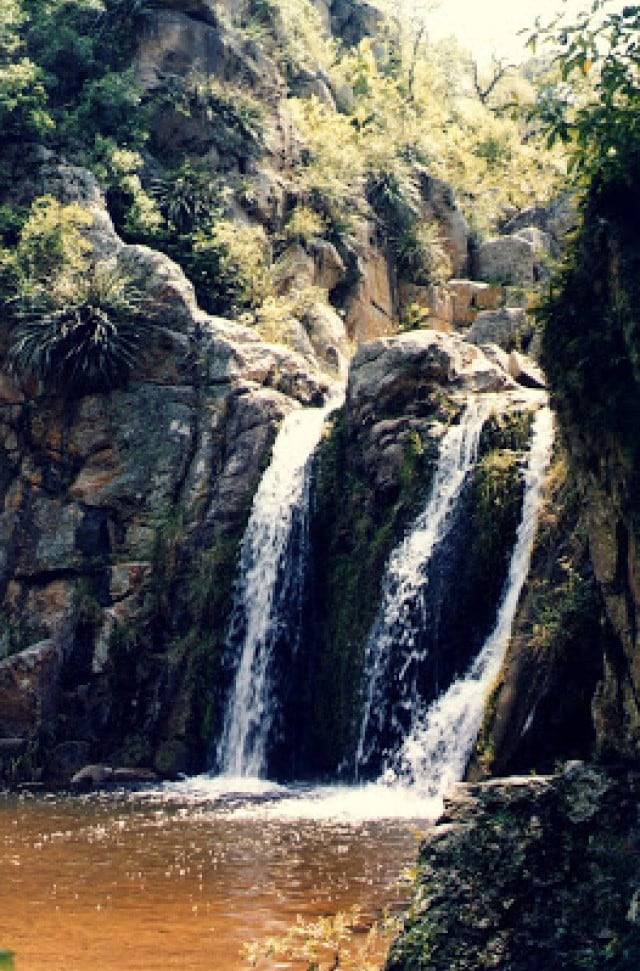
(121, 513)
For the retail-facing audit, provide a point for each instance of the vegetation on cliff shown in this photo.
(184, 157)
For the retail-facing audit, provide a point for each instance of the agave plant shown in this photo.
(89, 343)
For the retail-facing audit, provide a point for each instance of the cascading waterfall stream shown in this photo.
(268, 595)
(436, 751)
(401, 612)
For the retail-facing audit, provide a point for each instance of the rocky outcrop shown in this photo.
(595, 379)
(109, 503)
(529, 873)
(540, 709)
(398, 367)
(379, 457)
(440, 206)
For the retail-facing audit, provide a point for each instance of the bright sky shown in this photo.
(489, 27)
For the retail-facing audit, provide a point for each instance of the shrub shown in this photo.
(303, 224)
(87, 344)
(242, 258)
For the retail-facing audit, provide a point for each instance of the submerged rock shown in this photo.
(103, 776)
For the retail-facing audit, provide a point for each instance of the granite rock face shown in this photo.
(529, 873)
(381, 368)
(108, 501)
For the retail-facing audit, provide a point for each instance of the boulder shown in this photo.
(92, 777)
(506, 327)
(523, 370)
(556, 220)
(528, 873)
(353, 20)
(327, 333)
(468, 297)
(418, 360)
(506, 260)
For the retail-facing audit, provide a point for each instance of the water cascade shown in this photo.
(267, 605)
(394, 652)
(435, 752)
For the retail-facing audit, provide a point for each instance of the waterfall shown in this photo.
(401, 615)
(267, 602)
(436, 751)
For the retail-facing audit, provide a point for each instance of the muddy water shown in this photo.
(180, 878)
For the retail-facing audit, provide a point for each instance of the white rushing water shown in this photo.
(436, 751)
(399, 615)
(269, 588)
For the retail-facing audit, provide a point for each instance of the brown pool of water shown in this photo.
(137, 882)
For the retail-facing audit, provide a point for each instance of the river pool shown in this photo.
(181, 876)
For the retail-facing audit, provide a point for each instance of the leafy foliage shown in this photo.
(87, 345)
(76, 325)
(348, 940)
(600, 120)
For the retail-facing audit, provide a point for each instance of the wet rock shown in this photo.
(29, 689)
(523, 370)
(92, 777)
(528, 873)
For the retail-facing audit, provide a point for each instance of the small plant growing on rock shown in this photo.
(76, 325)
(88, 343)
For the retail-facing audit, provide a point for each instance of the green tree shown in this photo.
(600, 122)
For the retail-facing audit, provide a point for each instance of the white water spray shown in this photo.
(269, 589)
(399, 617)
(436, 751)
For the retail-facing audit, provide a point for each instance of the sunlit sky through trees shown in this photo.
(490, 27)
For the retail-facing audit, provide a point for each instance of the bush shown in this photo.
(89, 344)
(76, 325)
